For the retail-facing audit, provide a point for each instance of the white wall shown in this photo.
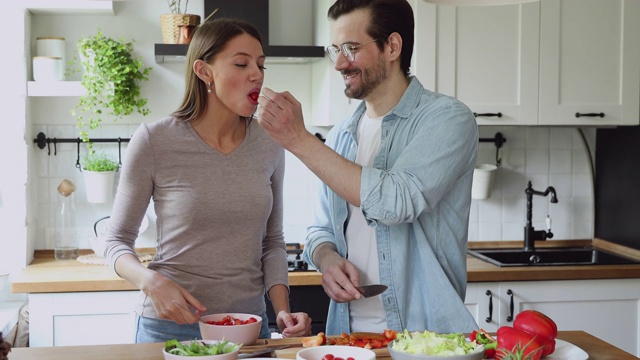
(546, 156)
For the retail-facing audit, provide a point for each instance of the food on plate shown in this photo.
(198, 348)
(367, 340)
(230, 320)
(532, 337)
(483, 338)
(432, 343)
(535, 322)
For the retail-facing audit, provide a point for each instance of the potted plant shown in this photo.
(178, 17)
(99, 172)
(111, 78)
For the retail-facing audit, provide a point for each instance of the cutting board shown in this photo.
(292, 346)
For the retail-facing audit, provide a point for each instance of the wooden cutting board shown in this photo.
(292, 346)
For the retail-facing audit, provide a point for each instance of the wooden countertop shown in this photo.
(46, 274)
(596, 348)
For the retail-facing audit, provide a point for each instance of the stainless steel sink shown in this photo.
(551, 257)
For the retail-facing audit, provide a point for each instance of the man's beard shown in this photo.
(370, 79)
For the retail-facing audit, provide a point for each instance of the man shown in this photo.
(394, 204)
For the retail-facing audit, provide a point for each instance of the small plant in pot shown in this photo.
(99, 172)
(112, 79)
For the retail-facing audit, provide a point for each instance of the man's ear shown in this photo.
(202, 71)
(394, 41)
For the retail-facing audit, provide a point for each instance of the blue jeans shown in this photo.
(149, 330)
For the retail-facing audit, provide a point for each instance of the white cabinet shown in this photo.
(608, 309)
(538, 63)
(487, 57)
(590, 62)
(82, 318)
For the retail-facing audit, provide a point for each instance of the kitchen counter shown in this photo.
(596, 348)
(47, 275)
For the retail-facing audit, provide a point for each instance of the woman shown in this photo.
(216, 179)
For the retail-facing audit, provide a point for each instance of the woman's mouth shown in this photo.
(253, 97)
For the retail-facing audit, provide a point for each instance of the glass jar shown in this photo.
(65, 224)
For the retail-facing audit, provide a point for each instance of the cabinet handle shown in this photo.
(488, 114)
(490, 306)
(590, 114)
(510, 317)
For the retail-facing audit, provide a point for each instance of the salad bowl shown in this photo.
(195, 348)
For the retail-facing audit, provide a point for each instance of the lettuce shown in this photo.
(197, 348)
(431, 343)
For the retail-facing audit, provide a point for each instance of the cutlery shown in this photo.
(196, 314)
(371, 290)
(244, 355)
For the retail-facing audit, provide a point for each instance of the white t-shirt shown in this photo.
(365, 314)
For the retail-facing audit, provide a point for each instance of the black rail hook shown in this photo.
(120, 151)
(497, 140)
(78, 158)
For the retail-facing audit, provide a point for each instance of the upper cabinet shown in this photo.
(590, 62)
(538, 63)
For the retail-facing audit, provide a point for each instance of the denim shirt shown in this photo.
(417, 195)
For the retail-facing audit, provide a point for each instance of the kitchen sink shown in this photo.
(551, 257)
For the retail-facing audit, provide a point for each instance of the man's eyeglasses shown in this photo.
(348, 50)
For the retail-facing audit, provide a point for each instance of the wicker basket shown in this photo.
(170, 25)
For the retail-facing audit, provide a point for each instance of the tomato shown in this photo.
(229, 320)
(328, 357)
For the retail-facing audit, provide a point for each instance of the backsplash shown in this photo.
(546, 156)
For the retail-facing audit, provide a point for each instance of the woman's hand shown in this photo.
(294, 324)
(171, 300)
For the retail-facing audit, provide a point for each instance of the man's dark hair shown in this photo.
(387, 17)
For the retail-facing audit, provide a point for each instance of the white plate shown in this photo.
(567, 351)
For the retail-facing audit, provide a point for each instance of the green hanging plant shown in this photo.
(111, 78)
(99, 162)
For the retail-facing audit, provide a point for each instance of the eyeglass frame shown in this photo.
(348, 50)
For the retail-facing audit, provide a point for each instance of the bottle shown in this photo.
(66, 231)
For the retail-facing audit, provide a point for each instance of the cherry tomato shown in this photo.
(328, 357)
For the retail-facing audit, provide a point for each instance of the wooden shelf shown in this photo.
(85, 7)
(55, 88)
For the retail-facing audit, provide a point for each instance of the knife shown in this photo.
(371, 290)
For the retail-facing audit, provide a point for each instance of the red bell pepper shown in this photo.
(537, 323)
(517, 344)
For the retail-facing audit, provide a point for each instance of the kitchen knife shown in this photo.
(371, 290)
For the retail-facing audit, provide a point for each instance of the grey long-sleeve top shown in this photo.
(219, 217)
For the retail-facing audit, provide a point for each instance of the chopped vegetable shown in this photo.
(198, 348)
(431, 343)
(483, 338)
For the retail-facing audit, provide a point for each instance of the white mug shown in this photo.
(483, 176)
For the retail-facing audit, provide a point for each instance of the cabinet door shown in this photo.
(487, 57)
(607, 309)
(589, 56)
(84, 318)
(482, 302)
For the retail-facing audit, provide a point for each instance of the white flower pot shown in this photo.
(99, 186)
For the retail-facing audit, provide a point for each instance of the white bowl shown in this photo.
(239, 334)
(318, 352)
(228, 356)
(477, 354)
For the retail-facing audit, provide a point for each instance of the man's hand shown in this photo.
(339, 277)
(294, 324)
(280, 114)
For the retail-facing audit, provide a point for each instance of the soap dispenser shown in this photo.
(65, 223)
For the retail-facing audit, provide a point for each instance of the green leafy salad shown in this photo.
(198, 348)
(431, 343)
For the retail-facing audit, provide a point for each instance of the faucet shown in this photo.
(531, 234)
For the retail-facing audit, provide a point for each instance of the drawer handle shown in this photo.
(510, 317)
(490, 306)
(488, 114)
(590, 114)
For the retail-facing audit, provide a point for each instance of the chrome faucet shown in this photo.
(531, 234)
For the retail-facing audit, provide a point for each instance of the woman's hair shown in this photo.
(387, 17)
(208, 40)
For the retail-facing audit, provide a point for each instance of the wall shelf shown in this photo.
(55, 88)
(275, 54)
(66, 7)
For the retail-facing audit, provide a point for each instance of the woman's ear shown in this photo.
(202, 71)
